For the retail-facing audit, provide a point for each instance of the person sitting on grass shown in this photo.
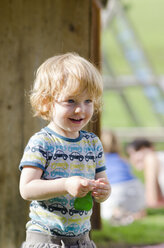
(143, 156)
(127, 201)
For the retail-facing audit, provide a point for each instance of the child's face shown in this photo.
(71, 114)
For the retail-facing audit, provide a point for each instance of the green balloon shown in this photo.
(84, 203)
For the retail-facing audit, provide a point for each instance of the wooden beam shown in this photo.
(31, 31)
(155, 134)
(121, 82)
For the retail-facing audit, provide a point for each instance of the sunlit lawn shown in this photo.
(149, 230)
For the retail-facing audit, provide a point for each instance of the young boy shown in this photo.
(62, 164)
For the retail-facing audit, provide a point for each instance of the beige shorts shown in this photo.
(40, 240)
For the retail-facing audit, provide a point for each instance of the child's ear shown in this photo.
(46, 103)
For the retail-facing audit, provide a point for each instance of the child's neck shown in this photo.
(67, 134)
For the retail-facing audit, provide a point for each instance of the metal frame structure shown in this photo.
(117, 21)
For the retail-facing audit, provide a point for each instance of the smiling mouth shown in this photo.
(76, 120)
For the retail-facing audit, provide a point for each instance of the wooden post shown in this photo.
(96, 59)
(31, 31)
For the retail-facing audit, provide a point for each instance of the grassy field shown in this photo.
(147, 18)
(115, 113)
(147, 231)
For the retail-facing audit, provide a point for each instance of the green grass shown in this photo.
(115, 113)
(149, 230)
(147, 18)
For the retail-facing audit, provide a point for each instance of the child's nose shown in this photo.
(79, 108)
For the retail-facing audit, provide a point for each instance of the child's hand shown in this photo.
(102, 190)
(79, 186)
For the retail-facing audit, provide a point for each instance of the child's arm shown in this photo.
(32, 187)
(103, 189)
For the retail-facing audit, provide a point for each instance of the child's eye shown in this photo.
(88, 101)
(70, 101)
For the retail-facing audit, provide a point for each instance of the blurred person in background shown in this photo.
(143, 156)
(127, 200)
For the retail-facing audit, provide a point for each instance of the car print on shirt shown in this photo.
(73, 211)
(46, 145)
(76, 155)
(60, 154)
(86, 135)
(70, 234)
(39, 224)
(90, 156)
(89, 148)
(72, 228)
(84, 228)
(71, 202)
(56, 231)
(61, 200)
(42, 204)
(78, 166)
(57, 207)
(77, 172)
(42, 132)
(59, 172)
(46, 154)
(60, 147)
(74, 148)
(100, 155)
(63, 165)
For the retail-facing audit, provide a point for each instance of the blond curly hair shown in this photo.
(63, 74)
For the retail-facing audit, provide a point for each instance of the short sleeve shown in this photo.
(37, 152)
(100, 159)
